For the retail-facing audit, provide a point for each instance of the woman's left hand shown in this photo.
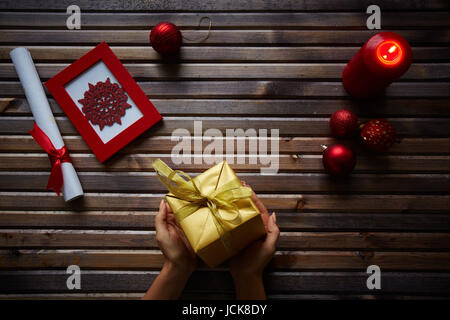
(172, 241)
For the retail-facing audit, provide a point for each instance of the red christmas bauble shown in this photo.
(166, 38)
(378, 135)
(344, 123)
(338, 160)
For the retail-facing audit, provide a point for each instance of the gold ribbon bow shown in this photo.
(187, 190)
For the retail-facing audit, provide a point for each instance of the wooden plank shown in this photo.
(224, 5)
(217, 37)
(287, 145)
(381, 107)
(123, 202)
(293, 282)
(288, 260)
(349, 203)
(4, 103)
(222, 54)
(333, 20)
(128, 220)
(102, 239)
(263, 89)
(287, 221)
(213, 296)
(306, 282)
(361, 260)
(329, 71)
(216, 296)
(144, 182)
(405, 127)
(287, 163)
(73, 296)
(286, 202)
(405, 230)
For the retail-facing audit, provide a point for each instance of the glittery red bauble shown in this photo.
(165, 38)
(338, 160)
(378, 135)
(344, 123)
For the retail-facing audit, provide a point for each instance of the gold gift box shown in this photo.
(201, 228)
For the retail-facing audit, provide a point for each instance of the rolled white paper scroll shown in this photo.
(43, 116)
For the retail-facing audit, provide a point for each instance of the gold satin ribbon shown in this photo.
(187, 190)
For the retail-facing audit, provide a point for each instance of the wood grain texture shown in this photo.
(218, 37)
(287, 202)
(101, 239)
(298, 282)
(287, 145)
(266, 64)
(215, 296)
(287, 221)
(283, 260)
(137, 20)
(221, 54)
(382, 107)
(144, 182)
(4, 103)
(287, 163)
(301, 126)
(263, 89)
(330, 71)
(233, 5)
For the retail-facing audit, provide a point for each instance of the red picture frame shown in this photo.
(56, 86)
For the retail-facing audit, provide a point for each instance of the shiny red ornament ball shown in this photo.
(338, 160)
(378, 135)
(344, 123)
(166, 38)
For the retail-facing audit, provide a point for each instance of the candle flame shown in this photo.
(389, 53)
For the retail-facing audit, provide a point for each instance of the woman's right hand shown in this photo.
(252, 261)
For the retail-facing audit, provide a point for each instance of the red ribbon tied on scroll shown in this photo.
(56, 156)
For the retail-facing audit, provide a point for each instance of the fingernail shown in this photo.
(274, 217)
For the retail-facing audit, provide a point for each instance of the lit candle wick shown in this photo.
(389, 53)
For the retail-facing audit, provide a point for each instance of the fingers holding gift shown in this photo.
(168, 208)
(174, 227)
(273, 233)
(161, 218)
(261, 207)
(161, 225)
(171, 217)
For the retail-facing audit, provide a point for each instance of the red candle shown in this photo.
(382, 59)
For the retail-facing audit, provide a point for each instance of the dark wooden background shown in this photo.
(266, 64)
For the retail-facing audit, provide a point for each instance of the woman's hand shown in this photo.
(247, 267)
(172, 241)
(179, 258)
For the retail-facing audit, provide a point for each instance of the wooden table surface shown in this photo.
(266, 64)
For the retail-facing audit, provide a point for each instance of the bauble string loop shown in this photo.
(207, 35)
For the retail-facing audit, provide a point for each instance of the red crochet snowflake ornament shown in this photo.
(104, 103)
